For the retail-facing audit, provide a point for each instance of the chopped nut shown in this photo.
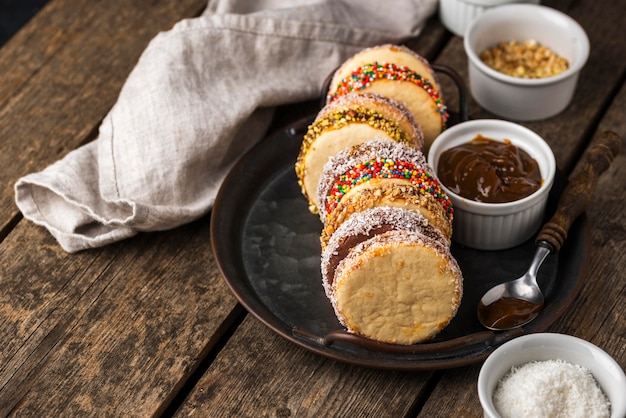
(528, 59)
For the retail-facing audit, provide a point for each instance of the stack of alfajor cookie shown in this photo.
(386, 262)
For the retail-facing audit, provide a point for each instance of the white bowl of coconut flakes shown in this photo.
(551, 375)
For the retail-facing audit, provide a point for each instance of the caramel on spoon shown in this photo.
(517, 302)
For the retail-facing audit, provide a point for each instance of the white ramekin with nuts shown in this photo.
(524, 60)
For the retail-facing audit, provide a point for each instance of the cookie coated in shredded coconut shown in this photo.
(551, 388)
(363, 223)
(404, 238)
(401, 237)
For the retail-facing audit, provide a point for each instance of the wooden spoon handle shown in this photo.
(580, 189)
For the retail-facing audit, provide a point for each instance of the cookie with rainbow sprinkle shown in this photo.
(397, 72)
(380, 172)
(350, 120)
(390, 276)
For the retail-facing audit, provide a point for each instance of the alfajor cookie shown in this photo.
(390, 276)
(350, 120)
(381, 172)
(396, 72)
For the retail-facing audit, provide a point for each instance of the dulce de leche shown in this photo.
(490, 171)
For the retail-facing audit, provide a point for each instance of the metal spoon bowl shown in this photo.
(515, 303)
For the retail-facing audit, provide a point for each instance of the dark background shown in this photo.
(14, 14)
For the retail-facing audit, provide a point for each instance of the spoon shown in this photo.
(517, 302)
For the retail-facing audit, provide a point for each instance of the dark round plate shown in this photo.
(266, 244)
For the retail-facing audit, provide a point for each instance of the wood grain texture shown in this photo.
(259, 374)
(61, 74)
(580, 189)
(599, 314)
(114, 331)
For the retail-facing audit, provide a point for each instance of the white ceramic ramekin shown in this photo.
(550, 346)
(457, 15)
(497, 226)
(518, 98)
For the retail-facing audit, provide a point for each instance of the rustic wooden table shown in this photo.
(148, 327)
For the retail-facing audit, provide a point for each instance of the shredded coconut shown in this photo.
(363, 223)
(551, 388)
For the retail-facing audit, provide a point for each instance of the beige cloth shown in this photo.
(201, 95)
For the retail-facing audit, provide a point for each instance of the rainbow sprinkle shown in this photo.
(386, 168)
(363, 76)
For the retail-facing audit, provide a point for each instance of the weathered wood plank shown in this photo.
(61, 74)
(603, 324)
(115, 331)
(239, 383)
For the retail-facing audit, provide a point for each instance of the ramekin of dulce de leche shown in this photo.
(490, 171)
(498, 175)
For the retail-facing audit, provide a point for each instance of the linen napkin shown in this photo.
(200, 96)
